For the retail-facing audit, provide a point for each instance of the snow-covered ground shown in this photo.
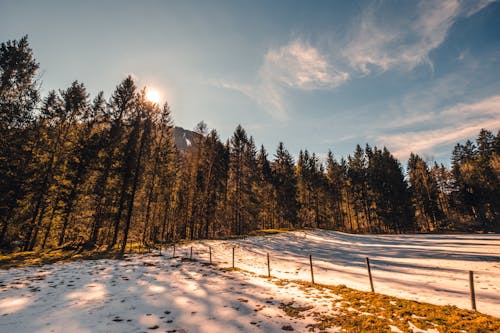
(427, 267)
(147, 293)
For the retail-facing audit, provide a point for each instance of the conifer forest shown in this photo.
(102, 171)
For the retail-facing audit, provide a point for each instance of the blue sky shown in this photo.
(411, 75)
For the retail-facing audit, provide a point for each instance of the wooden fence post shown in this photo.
(472, 292)
(311, 265)
(370, 273)
(268, 266)
(191, 254)
(233, 256)
(210, 252)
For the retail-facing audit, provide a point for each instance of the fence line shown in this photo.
(210, 252)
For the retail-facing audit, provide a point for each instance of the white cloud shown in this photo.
(377, 43)
(457, 123)
(489, 107)
(404, 43)
(296, 65)
(301, 66)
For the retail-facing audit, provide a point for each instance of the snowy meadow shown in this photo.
(148, 292)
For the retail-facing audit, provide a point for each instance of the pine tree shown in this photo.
(310, 190)
(214, 188)
(126, 126)
(466, 192)
(76, 162)
(19, 96)
(425, 194)
(357, 168)
(60, 115)
(159, 177)
(335, 189)
(242, 200)
(391, 193)
(19, 93)
(285, 184)
(194, 182)
(265, 192)
(140, 135)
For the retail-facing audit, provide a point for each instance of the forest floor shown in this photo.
(151, 293)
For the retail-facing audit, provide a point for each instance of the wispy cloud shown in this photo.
(421, 105)
(296, 65)
(301, 66)
(456, 123)
(404, 43)
(374, 44)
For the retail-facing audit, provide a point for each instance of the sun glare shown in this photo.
(153, 96)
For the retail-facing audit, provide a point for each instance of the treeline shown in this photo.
(76, 171)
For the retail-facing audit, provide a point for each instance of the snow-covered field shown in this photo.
(148, 293)
(429, 268)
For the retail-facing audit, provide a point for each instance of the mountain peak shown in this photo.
(183, 138)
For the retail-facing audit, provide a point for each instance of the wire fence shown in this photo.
(306, 268)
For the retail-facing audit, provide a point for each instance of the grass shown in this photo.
(294, 311)
(235, 269)
(265, 232)
(38, 258)
(360, 311)
(33, 258)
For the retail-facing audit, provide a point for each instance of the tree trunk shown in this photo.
(145, 136)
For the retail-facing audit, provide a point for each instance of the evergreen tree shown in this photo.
(139, 137)
(76, 160)
(160, 176)
(127, 121)
(242, 201)
(425, 194)
(391, 193)
(310, 190)
(214, 191)
(61, 115)
(357, 169)
(19, 96)
(285, 184)
(335, 189)
(265, 192)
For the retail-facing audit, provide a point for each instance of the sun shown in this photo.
(153, 96)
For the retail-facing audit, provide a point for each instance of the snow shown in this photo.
(395, 329)
(148, 293)
(427, 267)
(415, 329)
(152, 293)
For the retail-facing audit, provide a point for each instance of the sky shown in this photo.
(414, 76)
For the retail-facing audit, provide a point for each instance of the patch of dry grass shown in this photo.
(265, 232)
(38, 258)
(360, 311)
